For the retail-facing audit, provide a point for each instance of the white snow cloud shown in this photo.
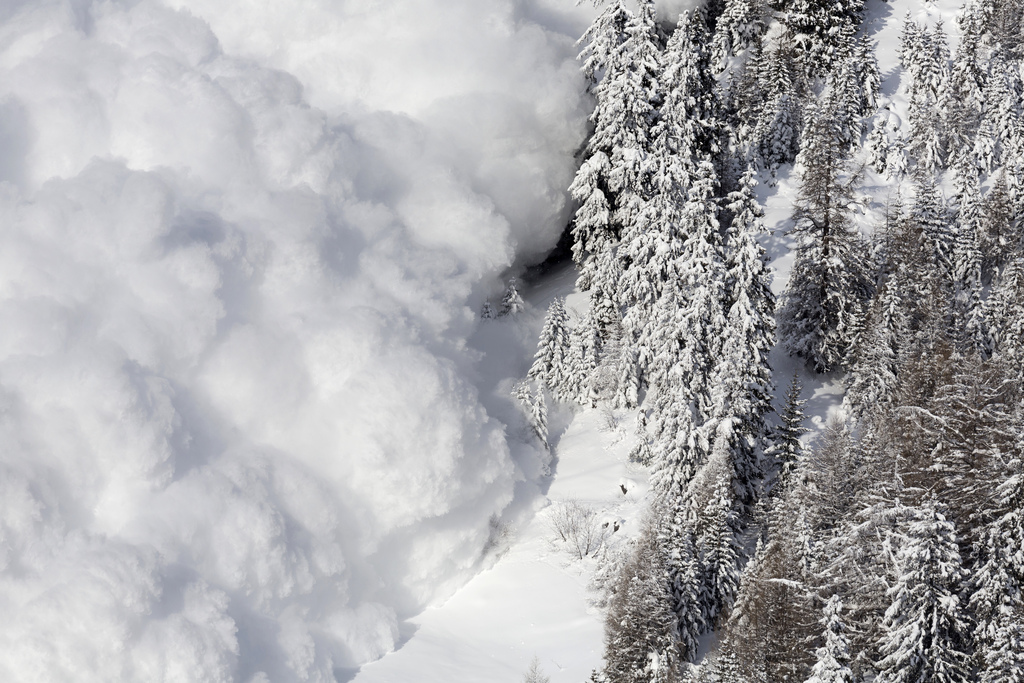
(242, 248)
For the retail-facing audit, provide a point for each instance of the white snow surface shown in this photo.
(251, 428)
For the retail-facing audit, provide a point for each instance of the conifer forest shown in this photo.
(890, 548)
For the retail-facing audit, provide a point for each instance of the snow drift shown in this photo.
(241, 252)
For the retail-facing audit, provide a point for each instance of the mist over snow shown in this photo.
(242, 248)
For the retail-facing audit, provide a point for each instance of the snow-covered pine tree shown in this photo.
(740, 25)
(962, 96)
(769, 100)
(512, 303)
(856, 562)
(592, 229)
(830, 282)
(878, 143)
(712, 504)
(983, 149)
(971, 422)
(906, 276)
(1004, 311)
(1003, 658)
(535, 408)
(966, 273)
(851, 92)
(916, 292)
(997, 579)
(833, 665)
(1003, 110)
(690, 124)
(634, 99)
(653, 244)
(823, 30)
(684, 331)
(550, 363)
(897, 162)
(873, 378)
(925, 628)
(582, 359)
(721, 666)
(641, 641)
(539, 416)
(702, 280)
(675, 536)
(535, 674)
(930, 215)
(679, 447)
(828, 476)
(925, 57)
(620, 56)
(1000, 230)
(773, 618)
(746, 632)
(742, 378)
(653, 250)
(1004, 24)
(641, 452)
(617, 377)
(864, 65)
(786, 450)
(659, 343)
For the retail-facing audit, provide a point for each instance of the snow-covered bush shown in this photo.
(578, 528)
(534, 674)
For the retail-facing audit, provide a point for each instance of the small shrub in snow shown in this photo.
(577, 526)
(609, 559)
(534, 674)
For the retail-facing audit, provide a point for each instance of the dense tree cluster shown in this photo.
(893, 550)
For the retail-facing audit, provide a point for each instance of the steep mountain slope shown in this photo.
(535, 598)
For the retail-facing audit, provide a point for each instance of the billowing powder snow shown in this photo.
(242, 245)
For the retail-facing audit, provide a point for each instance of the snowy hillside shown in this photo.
(269, 400)
(536, 601)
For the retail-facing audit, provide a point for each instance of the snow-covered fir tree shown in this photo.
(512, 303)
(769, 98)
(741, 24)
(534, 405)
(786, 450)
(551, 362)
(701, 320)
(1005, 312)
(822, 30)
(641, 452)
(925, 56)
(641, 642)
(717, 526)
(620, 56)
(742, 379)
(834, 654)
(830, 282)
(925, 630)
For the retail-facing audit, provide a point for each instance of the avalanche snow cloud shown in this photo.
(241, 248)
